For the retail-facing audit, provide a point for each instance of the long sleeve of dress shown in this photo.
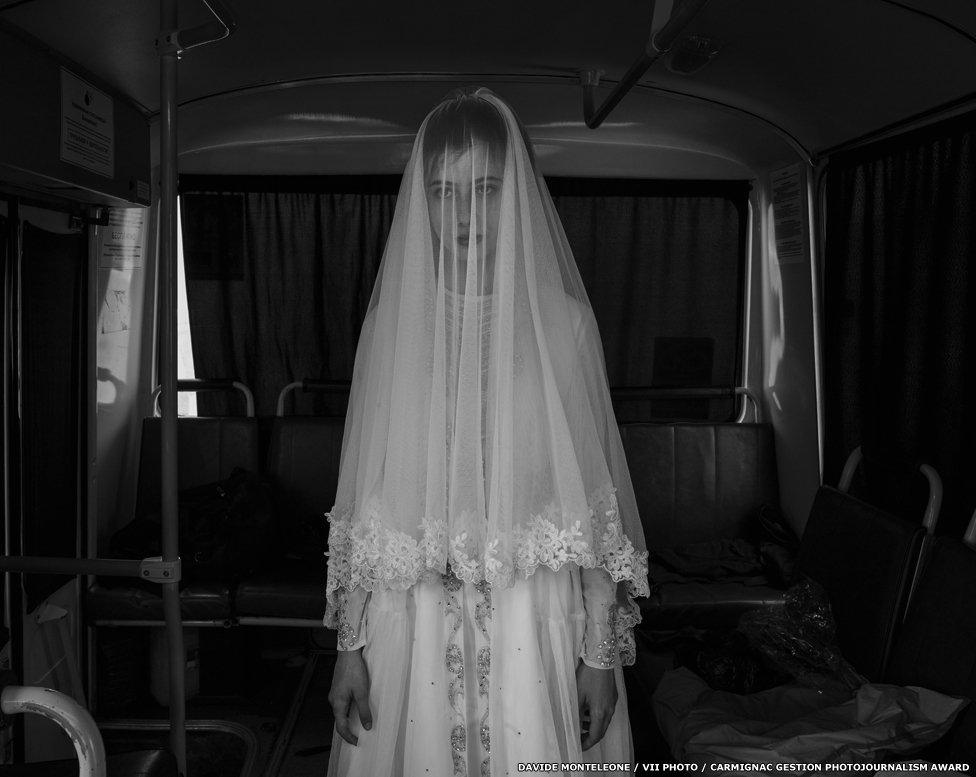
(600, 648)
(350, 618)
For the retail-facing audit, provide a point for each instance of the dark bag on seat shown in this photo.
(227, 530)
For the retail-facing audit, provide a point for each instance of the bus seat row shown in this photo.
(693, 482)
(891, 632)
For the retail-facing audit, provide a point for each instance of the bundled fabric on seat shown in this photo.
(226, 529)
(208, 449)
(795, 724)
(863, 559)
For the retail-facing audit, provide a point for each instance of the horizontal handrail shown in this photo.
(328, 386)
(221, 26)
(657, 44)
(620, 394)
(933, 505)
(152, 569)
(71, 566)
(213, 384)
(638, 393)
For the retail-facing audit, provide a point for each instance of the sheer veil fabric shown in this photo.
(480, 438)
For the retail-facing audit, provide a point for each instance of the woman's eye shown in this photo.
(486, 188)
(441, 192)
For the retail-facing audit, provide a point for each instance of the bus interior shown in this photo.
(772, 209)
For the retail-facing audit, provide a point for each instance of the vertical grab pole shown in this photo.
(168, 61)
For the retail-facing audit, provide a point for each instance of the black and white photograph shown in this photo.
(468, 389)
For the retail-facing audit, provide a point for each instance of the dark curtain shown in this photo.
(278, 284)
(279, 273)
(52, 292)
(900, 305)
(663, 264)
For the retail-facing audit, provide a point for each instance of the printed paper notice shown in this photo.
(122, 242)
(87, 126)
(789, 215)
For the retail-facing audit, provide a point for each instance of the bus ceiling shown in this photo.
(737, 88)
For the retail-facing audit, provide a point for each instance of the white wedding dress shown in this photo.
(466, 680)
(485, 538)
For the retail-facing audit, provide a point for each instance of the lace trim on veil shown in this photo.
(371, 555)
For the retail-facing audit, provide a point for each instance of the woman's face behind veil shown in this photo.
(463, 199)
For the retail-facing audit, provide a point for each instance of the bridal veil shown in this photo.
(480, 434)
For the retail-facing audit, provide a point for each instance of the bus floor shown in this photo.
(273, 685)
(250, 684)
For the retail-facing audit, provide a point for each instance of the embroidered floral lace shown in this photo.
(372, 556)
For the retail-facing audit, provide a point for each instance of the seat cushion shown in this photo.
(294, 591)
(706, 605)
(198, 602)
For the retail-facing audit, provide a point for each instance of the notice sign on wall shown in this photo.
(87, 126)
(122, 242)
(789, 214)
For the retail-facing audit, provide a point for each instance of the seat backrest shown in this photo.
(699, 482)
(208, 450)
(864, 558)
(693, 482)
(303, 462)
(936, 646)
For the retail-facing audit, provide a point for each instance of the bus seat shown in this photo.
(208, 450)
(864, 558)
(936, 645)
(303, 463)
(695, 483)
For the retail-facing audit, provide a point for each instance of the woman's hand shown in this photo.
(596, 692)
(350, 688)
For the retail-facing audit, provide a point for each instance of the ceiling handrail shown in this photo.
(658, 43)
(221, 26)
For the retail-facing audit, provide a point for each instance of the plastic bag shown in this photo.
(800, 640)
(792, 724)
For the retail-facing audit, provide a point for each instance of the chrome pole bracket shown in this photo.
(155, 570)
(168, 42)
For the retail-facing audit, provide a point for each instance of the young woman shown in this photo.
(485, 542)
